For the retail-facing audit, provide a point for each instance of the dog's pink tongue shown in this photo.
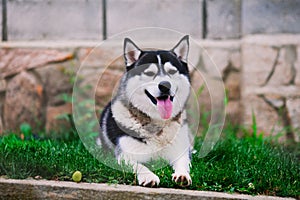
(165, 108)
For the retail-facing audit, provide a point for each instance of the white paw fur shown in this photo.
(148, 179)
(183, 178)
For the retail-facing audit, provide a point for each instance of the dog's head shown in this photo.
(157, 82)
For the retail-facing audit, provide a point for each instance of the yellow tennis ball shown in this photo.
(77, 176)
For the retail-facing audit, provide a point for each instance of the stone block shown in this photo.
(275, 100)
(2, 99)
(235, 60)
(199, 104)
(1, 126)
(268, 120)
(201, 91)
(182, 16)
(283, 91)
(100, 70)
(1, 21)
(297, 67)
(216, 59)
(102, 56)
(99, 84)
(233, 113)
(293, 111)
(232, 85)
(106, 85)
(209, 93)
(23, 102)
(283, 71)
(54, 19)
(223, 19)
(16, 60)
(57, 80)
(270, 16)
(258, 62)
(2, 85)
(54, 119)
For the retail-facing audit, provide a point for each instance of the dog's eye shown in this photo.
(172, 71)
(149, 73)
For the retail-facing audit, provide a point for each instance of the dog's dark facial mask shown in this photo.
(137, 59)
(154, 65)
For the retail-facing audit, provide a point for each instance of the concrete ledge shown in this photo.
(118, 42)
(272, 40)
(42, 189)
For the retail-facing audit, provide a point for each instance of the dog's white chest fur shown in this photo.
(157, 134)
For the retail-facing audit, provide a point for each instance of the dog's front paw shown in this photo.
(182, 178)
(148, 179)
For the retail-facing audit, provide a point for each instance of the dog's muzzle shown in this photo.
(164, 101)
(164, 88)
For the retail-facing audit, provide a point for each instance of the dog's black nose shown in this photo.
(164, 86)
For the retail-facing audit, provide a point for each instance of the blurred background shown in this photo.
(254, 43)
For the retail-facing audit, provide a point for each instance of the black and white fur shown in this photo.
(131, 125)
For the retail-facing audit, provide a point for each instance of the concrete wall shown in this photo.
(84, 19)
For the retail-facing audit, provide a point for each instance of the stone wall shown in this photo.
(34, 76)
(32, 80)
(271, 84)
(261, 75)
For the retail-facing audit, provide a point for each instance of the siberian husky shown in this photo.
(147, 119)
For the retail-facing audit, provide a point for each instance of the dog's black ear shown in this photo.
(131, 52)
(181, 49)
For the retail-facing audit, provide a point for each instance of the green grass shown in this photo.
(250, 165)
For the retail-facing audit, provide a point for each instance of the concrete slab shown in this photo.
(223, 19)
(54, 19)
(270, 16)
(42, 189)
(182, 16)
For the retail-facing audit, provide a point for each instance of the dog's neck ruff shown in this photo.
(147, 128)
(138, 115)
